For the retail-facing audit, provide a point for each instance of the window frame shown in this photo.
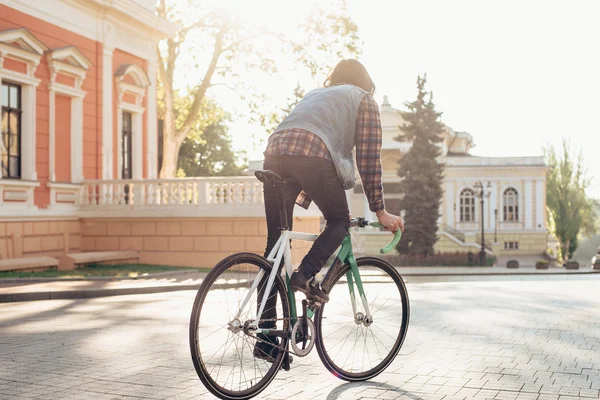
(510, 199)
(19, 112)
(464, 207)
(127, 136)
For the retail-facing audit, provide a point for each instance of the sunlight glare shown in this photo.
(263, 14)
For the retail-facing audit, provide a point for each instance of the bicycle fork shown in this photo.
(353, 276)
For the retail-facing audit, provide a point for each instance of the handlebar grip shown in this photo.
(393, 243)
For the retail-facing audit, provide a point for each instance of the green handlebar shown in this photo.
(393, 243)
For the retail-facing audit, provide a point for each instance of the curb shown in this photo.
(95, 293)
(90, 294)
(99, 278)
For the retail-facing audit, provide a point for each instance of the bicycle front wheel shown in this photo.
(223, 351)
(349, 345)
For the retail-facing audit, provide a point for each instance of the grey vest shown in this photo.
(330, 113)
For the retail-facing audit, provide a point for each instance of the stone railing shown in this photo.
(235, 196)
(239, 190)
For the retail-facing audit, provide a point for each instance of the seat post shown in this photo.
(281, 207)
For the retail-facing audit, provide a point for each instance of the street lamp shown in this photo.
(496, 226)
(482, 192)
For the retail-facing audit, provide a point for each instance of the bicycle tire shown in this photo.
(321, 313)
(196, 353)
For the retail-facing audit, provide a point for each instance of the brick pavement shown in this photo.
(529, 338)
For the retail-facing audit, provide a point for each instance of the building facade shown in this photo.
(514, 214)
(78, 98)
(78, 148)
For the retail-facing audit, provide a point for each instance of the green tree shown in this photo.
(421, 173)
(207, 150)
(217, 45)
(572, 211)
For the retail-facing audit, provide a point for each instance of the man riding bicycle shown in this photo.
(314, 145)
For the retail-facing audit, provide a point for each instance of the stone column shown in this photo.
(107, 112)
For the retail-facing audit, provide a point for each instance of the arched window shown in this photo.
(511, 205)
(467, 206)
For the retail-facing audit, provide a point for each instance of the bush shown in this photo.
(457, 259)
(572, 265)
(542, 264)
(512, 264)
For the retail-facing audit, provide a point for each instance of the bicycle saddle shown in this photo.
(273, 178)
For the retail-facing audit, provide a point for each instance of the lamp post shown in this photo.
(496, 226)
(482, 192)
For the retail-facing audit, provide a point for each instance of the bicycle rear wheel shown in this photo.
(349, 346)
(222, 351)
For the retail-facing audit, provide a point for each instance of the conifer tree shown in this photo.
(421, 173)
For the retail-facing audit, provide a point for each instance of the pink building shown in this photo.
(78, 150)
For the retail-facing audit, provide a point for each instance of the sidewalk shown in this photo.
(25, 289)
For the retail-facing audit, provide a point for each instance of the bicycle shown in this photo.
(244, 278)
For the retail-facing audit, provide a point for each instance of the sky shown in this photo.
(517, 75)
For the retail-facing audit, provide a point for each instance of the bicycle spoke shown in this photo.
(224, 348)
(360, 351)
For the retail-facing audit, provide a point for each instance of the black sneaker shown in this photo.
(309, 286)
(266, 351)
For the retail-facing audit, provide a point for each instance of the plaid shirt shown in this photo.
(368, 148)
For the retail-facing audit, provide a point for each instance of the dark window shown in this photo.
(10, 146)
(467, 206)
(511, 205)
(126, 172)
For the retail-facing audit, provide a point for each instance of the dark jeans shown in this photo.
(318, 178)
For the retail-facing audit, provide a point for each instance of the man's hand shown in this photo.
(391, 222)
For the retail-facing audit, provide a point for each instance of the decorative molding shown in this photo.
(495, 179)
(528, 202)
(71, 56)
(88, 18)
(132, 108)
(24, 40)
(18, 77)
(70, 91)
(520, 202)
(151, 123)
(136, 72)
(24, 190)
(471, 161)
(138, 90)
(71, 62)
(64, 194)
(540, 203)
(107, 113)
(450, 202)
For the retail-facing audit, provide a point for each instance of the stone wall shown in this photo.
(193, 242)
(39, 238)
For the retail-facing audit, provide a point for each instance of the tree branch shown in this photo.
(201, 90)
(161, 9)
(201, 22)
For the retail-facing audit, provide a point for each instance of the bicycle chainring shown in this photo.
(309, 336)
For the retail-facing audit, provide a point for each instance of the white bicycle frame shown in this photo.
(282, 248)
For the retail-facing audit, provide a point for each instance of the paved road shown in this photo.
(509, 338)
